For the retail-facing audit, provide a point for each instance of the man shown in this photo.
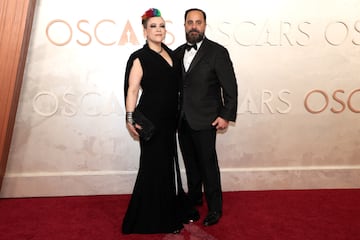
(208, 103)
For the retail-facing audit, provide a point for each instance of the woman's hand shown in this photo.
(132, 129)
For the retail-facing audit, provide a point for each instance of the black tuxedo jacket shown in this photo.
(209, 87)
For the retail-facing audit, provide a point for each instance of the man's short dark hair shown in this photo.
(195, 9)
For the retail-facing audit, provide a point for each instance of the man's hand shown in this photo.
(220, 123)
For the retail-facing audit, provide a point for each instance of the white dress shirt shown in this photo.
(189, 56)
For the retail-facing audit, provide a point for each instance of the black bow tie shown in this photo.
(188, 47)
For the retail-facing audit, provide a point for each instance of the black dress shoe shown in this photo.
(212, 218)
(192, 216)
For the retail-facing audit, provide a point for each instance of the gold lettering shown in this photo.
(337, 99)
(321, 109)
(48, 35)
(349, 101)
(96, 32)
(83, 31)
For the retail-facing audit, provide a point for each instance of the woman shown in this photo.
(154, 70)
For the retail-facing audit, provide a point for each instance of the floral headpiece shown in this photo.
(152, 12)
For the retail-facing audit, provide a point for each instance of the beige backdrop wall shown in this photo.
(297, 64)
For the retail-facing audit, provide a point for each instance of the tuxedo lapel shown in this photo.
(200, 53)
(182, 53)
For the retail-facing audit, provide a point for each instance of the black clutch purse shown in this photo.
(147, 127)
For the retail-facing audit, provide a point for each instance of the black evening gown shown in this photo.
(152, 207)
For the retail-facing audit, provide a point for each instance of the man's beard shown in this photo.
(194, 38)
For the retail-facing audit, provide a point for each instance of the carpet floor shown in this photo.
(332, 214)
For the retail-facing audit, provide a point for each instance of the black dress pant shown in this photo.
(201, 164)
